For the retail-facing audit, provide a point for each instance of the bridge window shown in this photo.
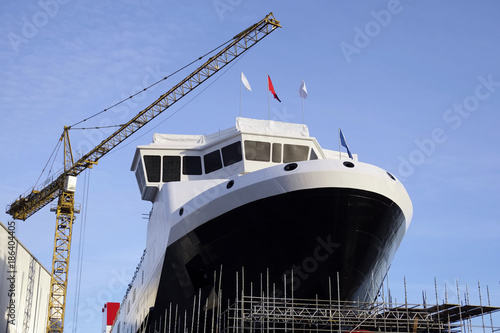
(191, 165)
(313, 155)
(152, 164)
(139, 175)
(171, 168)
(257, 151)
(231, 154)
(295, 153)
(212, 161)
(277, 152)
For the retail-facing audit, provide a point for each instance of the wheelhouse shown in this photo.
(251, 145)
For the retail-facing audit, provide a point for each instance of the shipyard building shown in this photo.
(24, 286)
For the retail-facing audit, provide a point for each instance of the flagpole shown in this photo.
(268, 105)
(340, 153)
(240, 93)
(302, 105)
(302, 110)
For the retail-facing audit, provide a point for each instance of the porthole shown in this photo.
(230, 184)
(181, 211)
(348, 164)
(291, 166)
(390, 175)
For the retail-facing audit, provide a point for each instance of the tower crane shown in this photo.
(63, 186)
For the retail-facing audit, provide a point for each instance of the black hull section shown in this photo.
(314, 233)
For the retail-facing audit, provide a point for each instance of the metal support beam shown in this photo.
(60, 262)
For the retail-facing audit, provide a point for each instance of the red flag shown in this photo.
(271, 88)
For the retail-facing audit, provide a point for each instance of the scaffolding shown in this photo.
(268, 314)
(260, 310)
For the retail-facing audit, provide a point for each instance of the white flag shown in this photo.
(303, 90)
(245, 82)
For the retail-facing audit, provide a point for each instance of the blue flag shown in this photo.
(344, 143)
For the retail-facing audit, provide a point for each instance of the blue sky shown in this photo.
(414, 85)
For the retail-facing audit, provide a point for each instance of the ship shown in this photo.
(265, 199)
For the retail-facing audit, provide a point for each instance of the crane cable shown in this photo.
(122, 101)
(172, 114)
(83, 224)
(55, 150)
(153, 84)
(182, 107)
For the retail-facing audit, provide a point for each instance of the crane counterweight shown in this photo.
(70, 184)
